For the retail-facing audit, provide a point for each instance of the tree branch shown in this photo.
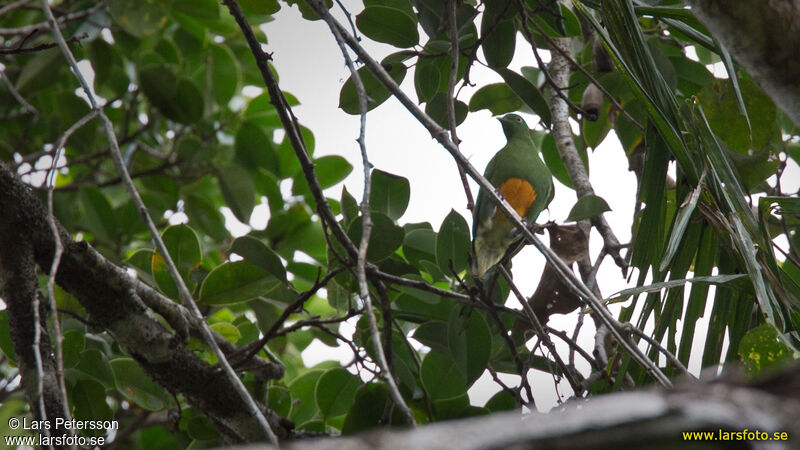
(451, 91)
(186, 296)
(620, 420)
(366, 230)
(573, 282)
(765, 39)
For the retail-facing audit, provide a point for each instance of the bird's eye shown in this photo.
(519, 120)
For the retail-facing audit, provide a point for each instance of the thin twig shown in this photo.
(50, 182)
(28, 29)
(657, 345)
(13, 5)
(253, 348)
(585, 72)
(40, 47)
(451, 88)
(17, 96)
(366, 229)
(37, 356)
(557, 72)
(186, 296)
(441, 135)
(577, 388)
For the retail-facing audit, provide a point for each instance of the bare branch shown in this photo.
(577, 388)
(50, 182)
(19, 98)
(186, 296)
(290, 125)
(451, 93)
(366, 230)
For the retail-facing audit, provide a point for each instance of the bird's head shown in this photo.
(513, 124)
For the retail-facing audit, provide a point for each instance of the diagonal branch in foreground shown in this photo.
(117, 303)
(186, 296)
(441, 135)
(366, 229)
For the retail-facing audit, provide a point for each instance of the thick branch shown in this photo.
(19, 290)
(621, 420)
(115, 301)
(186, 296)
(764, 37)
(562, 133)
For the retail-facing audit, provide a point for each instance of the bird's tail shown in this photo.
(487, 254)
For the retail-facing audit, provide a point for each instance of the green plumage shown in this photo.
(519, 159)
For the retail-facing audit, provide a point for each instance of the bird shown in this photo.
(521, 177)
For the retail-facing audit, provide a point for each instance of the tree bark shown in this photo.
(764, 37)
(638, 419)
(114, 301)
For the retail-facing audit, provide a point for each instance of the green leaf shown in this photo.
(6, 345)
(350, 209)
(98, 216)
(499, 40)
(236, 282)
(434, 335)
(441, 376)
(256, 252)
(205, 216)
(74, 342)
(654, 287)
(176, 97)
(226, 74)
(761, 349)
(336, 392)
(303, 389)
(376, 93)
(262, 113)
(501, 401)
(470, 343)
(137, 387)
(198, 426)
(529, 94)
(721, 107)
(426, 78)
(238, 190)
(587, 207)
(280, 400)
(389, 193)
(184, 248)
(95, 365)
(330, 170)
(88, 398)
(140, 17)
(368, 408)
(389, 25)
(227, 330)
(681, 221)
(419, 244)
(260, 6)
(437, 110)
(384, 239)
(498, 98)
(453, 243)
(254, 149)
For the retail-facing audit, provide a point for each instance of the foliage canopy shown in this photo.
(169, 76)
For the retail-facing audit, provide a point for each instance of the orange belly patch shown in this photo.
(519, 194)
